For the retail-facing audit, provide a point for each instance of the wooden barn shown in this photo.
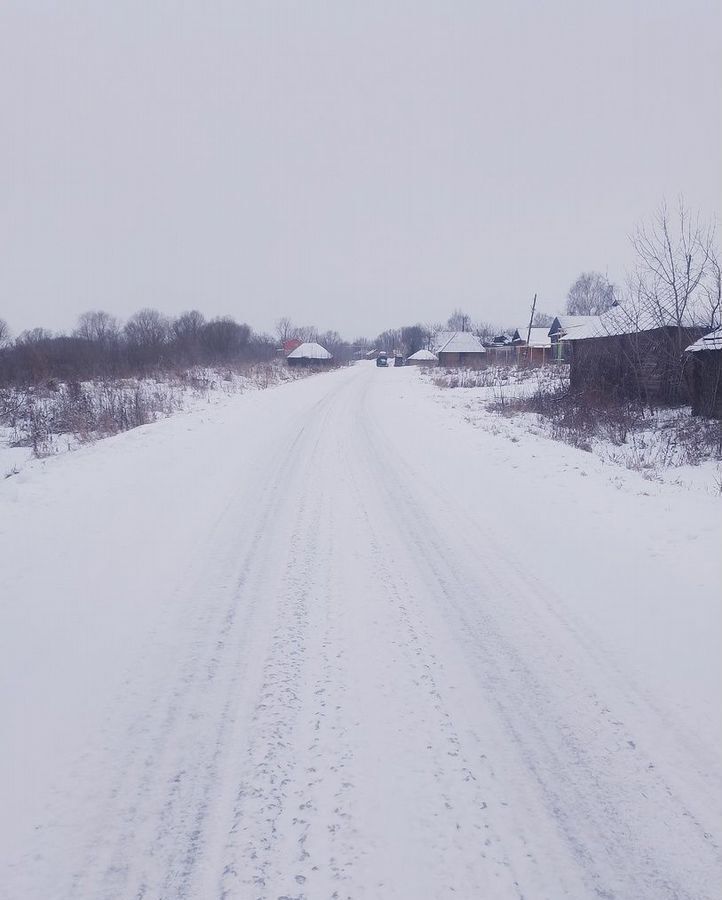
(422, 358)
(561, 327)
(704, 373)
(623, 355)
(461, 348)
(310, 354)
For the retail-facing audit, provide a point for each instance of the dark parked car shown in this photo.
(381, 361)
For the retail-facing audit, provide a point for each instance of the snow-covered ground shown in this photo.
(667, 445)
(329, 640)
(46, 419)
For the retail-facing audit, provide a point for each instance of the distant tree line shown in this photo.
(102, 347)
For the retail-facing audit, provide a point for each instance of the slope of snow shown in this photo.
(330, 638)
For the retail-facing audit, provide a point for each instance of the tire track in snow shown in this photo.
(288, 824)
(150, 831)
(363, 701)
(591, 804)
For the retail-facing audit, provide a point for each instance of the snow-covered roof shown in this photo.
(565, 324)
(462, 342)
(309, 350)
(423, 354)
(441, 338)
(538, 337)
(711, 341)
(627, 320)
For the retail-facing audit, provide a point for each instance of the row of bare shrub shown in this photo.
(41, 415)
(650, 437)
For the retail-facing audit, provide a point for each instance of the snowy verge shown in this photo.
(663, 445)
(43, 420)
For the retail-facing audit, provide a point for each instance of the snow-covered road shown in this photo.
(330, 641)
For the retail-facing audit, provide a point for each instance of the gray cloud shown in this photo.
(354, 165)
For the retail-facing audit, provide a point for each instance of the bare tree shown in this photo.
(284, 329)
(590, 295)
(224, 338)
(148, 329)
(712, 301)
(486, 332)
(97, 326)
(459, 321)
(305, 333)
(4, 333)
(389, 340)
(34, 336)
(672, 298)
(413, 338)
(542, 320)
(676, 268)
(187, 327)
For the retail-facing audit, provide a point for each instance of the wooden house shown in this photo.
(500, 351)
(624, 354)
(560, 328)
(461, 348)
(704, 373)
(310, 354)
(533, 346)
(422, 358)
(290, 345)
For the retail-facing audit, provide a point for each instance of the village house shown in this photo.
(500, 351)
(460, 348)
(422, 358)
(630, 354)
(290, 345)
(704, 372)
(533, 346)
(560, 328)
(309, 354)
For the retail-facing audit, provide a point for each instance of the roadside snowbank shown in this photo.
(665, 445)
(43, 420)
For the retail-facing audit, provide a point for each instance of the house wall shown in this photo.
(304, 361)
(647, 366)
(704, 371)
(470, 360)
(501, 356)
(533, 356)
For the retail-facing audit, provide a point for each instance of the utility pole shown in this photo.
(531, 320)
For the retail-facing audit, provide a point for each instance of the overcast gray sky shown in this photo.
(355, 165)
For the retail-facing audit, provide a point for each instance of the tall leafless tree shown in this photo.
(459, 321)
(672, 297)
(284, 329)
(590, 295)
(676, 265)
(98, 326)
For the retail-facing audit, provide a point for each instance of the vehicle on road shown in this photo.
(399, 361)
(382, 360)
